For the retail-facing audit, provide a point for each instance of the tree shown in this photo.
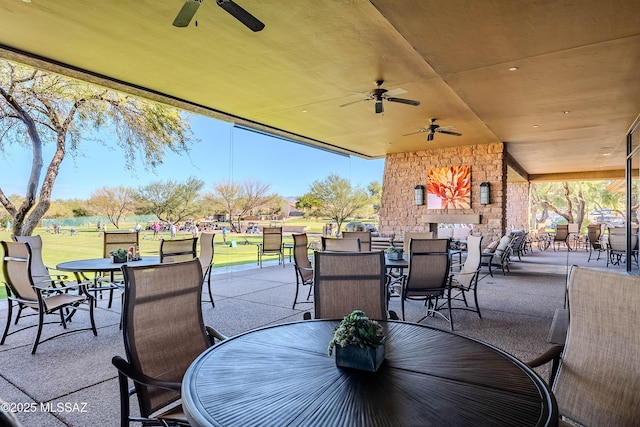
(375, 193)
(338, 199)
(38, 108)
(239, 199)
(113, 202)
(171, 201)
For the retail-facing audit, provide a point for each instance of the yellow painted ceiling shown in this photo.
(454, 56)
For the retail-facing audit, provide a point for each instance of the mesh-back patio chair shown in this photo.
(466, 280)
(113, 240)
(406, 240)
(498, 257)
(561, 237)
(617, 245)
(364, 236)
(303, 267)
(598, 379)
(163, 332)
(594, 233)
(271, 244)
(335, 244)
(178, 250)
(429, 276)
(41, 298)
(206, 260)
(349, 281)
(39, 271)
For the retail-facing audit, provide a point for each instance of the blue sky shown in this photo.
(223, 152)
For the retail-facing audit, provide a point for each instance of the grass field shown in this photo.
(87, 243)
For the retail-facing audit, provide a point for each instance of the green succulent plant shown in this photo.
(357, 329)
(393, 249)
(119, 253)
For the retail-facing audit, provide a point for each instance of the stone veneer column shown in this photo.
(517, 208)
(403, 171)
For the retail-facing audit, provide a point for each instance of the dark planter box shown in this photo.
(117, 260)
(394, 256)
(355, 357)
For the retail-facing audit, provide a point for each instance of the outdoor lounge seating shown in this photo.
(466, 280)
(39, 271)
(429, 276)
(41, 298)
(617, 245)
(344, 282)
(596, 374)
(178, 250)
(499, 257)
(364, 236)
(111, 241)
(561, 237)
(165, 299)
(303, 267)
(333, 244)
(594, 233)
(271, 244)
(206, 260)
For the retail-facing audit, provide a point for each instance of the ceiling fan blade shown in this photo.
(403, 101)
(413, 133)
(448, 132)
(185, 15)
(241, 15)
(430, 136)
(355, 102)
(395, 92)
(379, 107)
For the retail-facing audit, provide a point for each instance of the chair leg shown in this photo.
(36, 341)
(295, 298)
(213, 304)
(6, 328)
(475, 297)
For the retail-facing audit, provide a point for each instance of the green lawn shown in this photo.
(87, 243)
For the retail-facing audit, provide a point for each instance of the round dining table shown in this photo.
(102, 265)
(282, 375)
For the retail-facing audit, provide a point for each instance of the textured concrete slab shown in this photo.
(70, 371)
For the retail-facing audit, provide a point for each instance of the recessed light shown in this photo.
(513, 69)
(565, 112)
(304, 111)
(535, 126)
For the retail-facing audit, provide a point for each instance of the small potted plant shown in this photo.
(358, 342)
(394, 253)
(118, 255)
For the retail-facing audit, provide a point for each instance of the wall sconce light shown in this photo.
(485, 193)
(419, 195)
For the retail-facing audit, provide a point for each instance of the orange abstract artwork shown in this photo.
(449, 188)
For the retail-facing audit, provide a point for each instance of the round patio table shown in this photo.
(282, 375)
(103, 264)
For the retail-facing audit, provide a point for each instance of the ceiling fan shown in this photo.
(190, 8)
(433, 128)
(379, 94)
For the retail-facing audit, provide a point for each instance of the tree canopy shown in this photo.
(113, 202)
(337, 198)
(240, 199)
(171, 201)
(39, 108)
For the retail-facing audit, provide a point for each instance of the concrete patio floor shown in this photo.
(75, 370)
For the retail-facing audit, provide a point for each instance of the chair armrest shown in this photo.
(214, 335)
(552, 353)
(64, 286)
(126, 369)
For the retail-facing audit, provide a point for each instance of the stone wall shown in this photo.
(517, 208)
(403, 171)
